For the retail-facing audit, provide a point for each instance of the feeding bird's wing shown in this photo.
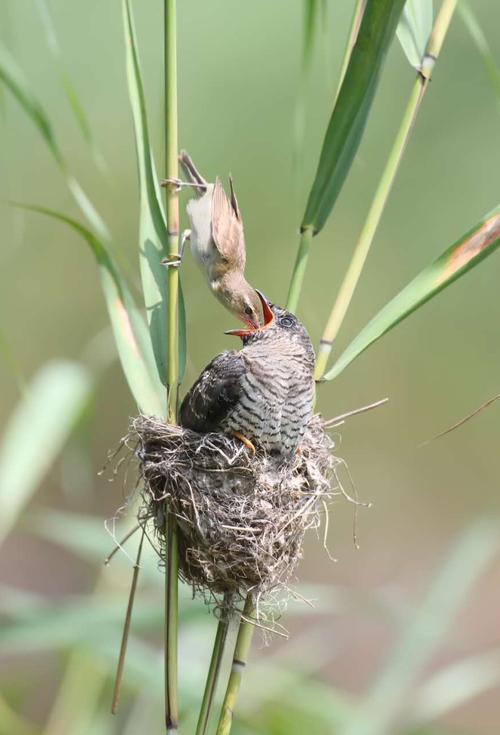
(215, 393)
(227, 227)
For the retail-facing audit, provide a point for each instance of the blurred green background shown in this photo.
(239, 79)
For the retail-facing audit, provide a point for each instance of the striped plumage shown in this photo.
(263, 391)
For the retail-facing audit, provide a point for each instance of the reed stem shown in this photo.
(240, 657)
(172, 211)
(379, 202)
(299, 270)
(213, 676)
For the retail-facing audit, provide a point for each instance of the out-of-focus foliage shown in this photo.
(61, 612)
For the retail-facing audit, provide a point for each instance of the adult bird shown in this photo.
(218, 243)
(262, 393)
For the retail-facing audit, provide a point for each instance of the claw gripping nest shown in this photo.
(241, 517)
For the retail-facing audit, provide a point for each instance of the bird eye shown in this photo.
(248, 310)
(286, 321)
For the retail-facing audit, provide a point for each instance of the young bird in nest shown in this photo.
(263, 393)
(218, 243)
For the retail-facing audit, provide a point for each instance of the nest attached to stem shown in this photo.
(241, 517)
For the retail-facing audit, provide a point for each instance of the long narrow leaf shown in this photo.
(69, 89)
(36, 432)
(14, 79)
(152, 226)
(352, 108)
(414, 29)
(129, 329)
(468, 252)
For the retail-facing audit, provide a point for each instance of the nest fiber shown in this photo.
(241, 517)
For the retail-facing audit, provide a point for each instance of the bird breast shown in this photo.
(202, 244)
(276, 399)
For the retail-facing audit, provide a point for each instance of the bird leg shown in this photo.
(245, 441)
(179, 183)
(174, 261)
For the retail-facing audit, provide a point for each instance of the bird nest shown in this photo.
(241, 517)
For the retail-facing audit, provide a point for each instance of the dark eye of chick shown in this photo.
(286, 321)
(248, 310)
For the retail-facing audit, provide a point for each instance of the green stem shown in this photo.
(299, 270)
(172, 210)
(379, 202)
(213, 676)
(126, 629)
(240, 659)
(171, 627)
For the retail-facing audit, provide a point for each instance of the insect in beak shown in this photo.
(268, 320)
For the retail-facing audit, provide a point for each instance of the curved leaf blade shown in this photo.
(36, 432)
(481, 241)
(129, 329)
(13, 78)
(414, 29)
(352, 108)
(152, 224)
(75, 104)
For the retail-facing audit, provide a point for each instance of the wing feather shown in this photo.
(227, 227)
(215, 393)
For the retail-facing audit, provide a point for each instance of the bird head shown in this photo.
(253, 308)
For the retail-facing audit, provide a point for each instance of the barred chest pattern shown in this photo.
(277, 391)
(264, 391)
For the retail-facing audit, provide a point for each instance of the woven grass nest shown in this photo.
(241, 517)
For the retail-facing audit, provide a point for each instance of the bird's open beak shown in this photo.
(252, 327)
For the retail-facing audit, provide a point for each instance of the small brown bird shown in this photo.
(218, 243)
(262, 393)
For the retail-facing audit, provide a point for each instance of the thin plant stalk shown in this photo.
(240, 658)
(379, 202)
(126, 629)
(213, 676)
(172, 211)
(299, 269)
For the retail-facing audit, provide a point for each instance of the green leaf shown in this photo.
(129, 329)
(455, 685)
(152, 225)
(69, 89)
(36, 433)
(14, 79)
(423, 634)
(482, 240)
(414, 29)
(352, 108)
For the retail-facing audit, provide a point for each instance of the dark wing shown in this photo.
(214, 394)
(227, 227)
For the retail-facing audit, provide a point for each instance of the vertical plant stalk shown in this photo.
(299, 269)
(240, 658)
(126, 630)
(213, 676)
(172, 211)
(372, 221)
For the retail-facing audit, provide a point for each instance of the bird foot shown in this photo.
(174, 261)
(177, 184)
(245, 441)
(171, 261)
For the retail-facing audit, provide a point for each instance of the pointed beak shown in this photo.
(252, 327)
